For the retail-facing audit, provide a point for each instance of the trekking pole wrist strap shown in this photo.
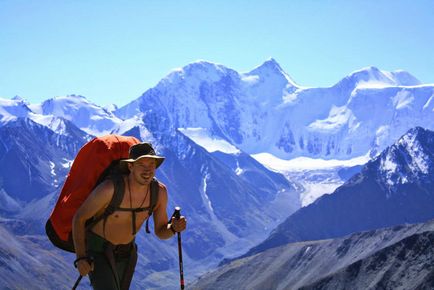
(87, 258)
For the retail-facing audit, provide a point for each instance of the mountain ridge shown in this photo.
(257, 111)
(388, 258)
(263, 111)
(368, 200)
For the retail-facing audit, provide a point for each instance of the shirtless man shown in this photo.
(112, 245)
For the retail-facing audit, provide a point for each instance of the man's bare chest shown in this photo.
(137, 206)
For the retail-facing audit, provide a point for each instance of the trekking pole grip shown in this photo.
(177, 215)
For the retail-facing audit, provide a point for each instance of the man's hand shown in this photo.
(178, 225)
(84, 267)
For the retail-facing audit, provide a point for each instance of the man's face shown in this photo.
(143, 170)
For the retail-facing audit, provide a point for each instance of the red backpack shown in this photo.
(97, 160)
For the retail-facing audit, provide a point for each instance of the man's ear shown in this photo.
(130, 165)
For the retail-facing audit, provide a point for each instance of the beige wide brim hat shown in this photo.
(140, 151)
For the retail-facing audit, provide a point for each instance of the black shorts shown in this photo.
(113, 264)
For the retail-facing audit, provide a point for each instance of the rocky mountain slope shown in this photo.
(392, 258)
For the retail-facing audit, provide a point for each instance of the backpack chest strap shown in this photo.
(134, 211)
(137, 209)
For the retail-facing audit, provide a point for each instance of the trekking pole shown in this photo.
(77, 282)
(177, 215)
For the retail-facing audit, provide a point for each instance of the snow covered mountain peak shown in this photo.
(19, 98)
(263, 110)
(67, 100)
(62, 105)
(89, 117)
(205, 66)
(111, 108)
(197, 72)
(409, 159)
(13, 108)
(271, 70)
(230, 104)
(269, 65)
(372, 77)
(269, 73)
(412, 136)
(404, 78)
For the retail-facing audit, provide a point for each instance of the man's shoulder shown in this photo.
(162, 186)
(105, 188)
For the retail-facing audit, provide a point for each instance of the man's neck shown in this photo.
(136, 186)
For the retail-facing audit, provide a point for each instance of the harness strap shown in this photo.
(138, 209)
(154, 198)
(129, 270)
(108, 252)
(133, 212)
(116, 200)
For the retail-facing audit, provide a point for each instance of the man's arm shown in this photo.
(97, 200)
(162, 229)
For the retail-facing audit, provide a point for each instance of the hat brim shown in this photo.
(124, 163)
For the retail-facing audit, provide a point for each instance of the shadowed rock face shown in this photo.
(407, 264)
(393, 258)
(33, 157)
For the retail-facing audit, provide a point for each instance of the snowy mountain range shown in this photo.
(208, 120)
(394, 188)
(265, 111)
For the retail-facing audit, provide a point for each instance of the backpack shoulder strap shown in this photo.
(154, 199)
(118, 194)
(115, 202)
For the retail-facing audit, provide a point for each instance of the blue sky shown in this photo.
(113, 51)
